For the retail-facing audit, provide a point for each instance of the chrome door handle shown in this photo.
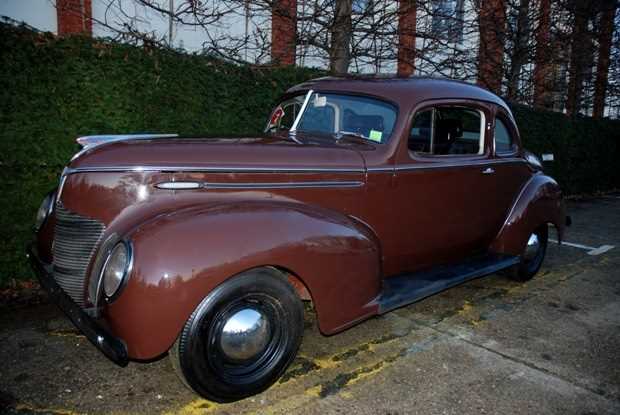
(488, 170)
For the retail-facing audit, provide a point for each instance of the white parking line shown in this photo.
(591, 250)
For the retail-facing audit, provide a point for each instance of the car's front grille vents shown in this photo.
(75, 240)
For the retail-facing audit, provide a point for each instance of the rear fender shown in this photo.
(180, 257)
(539, 203)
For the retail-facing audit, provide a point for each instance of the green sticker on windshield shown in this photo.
(375, 135)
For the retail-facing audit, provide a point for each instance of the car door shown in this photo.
(510, 171)
(443, 183)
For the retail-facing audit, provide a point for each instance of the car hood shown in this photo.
(261, 153)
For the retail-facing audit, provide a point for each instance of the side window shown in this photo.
(283, 116)
(447, 131)
(290, 113)
(421, 132)
(503, 140)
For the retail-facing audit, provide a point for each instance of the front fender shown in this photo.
(180, 257)
(540, 202)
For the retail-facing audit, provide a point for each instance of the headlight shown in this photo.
(116, 268)
(45, 209)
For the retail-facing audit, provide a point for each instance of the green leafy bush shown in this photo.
(585, 150)
(55, 89)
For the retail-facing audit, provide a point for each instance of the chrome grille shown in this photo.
(75, 240)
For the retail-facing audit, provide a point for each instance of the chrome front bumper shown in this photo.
(112, 347)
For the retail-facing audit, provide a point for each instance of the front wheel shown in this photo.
(241, 337)
(533, 255)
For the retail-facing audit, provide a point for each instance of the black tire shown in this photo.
(198, 355)
(528, 267)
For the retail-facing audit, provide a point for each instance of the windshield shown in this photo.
(338, 114)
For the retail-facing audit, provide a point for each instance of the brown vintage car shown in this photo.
(362, 196)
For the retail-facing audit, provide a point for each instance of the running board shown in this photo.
(401, 290)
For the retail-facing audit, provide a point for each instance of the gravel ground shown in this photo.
(551, 345)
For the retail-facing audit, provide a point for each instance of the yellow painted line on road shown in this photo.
(467, 312)
(335, 386)
(195, 407)
(346, 395)
(327, 363)
(66, 333)
(363, 349)
(313, 391)
(28, 407)
(290, 404)
(293, 402)
(465, 309)
(368, 373)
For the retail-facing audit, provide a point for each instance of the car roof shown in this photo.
(403, 91)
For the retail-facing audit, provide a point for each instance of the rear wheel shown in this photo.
(241, 338)
(533, 255)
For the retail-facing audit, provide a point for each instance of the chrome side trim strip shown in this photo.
(285, 185)
(179, 185)
(212, 169)
(381, 169)
(443, 164)
(266, 185)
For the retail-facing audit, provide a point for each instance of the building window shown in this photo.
(447, 20)
(360, 6)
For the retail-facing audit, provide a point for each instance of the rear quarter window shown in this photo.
(504, 141)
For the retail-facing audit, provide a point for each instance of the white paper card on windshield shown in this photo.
(320, 101)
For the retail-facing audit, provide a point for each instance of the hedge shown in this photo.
(586, 151)
(55, 89)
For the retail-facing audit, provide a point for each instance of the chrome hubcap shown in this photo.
(531, 250)
(245, 334)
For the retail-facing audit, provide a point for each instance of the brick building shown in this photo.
(440, 20)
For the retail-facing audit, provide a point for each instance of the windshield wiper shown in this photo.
(340, 134)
